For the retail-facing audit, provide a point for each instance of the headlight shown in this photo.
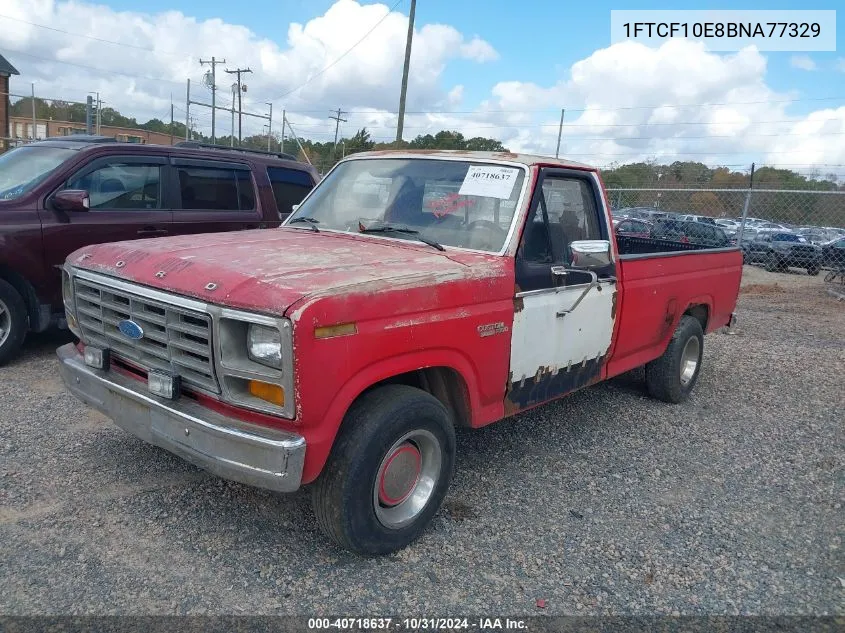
(264, 345)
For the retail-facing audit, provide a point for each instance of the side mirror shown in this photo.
(72, 200)
(293, 208)
(590, 254)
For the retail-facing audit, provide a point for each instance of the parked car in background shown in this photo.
(61, 194)
(700, 233)
(632, 227)
(697, 218)
(833, 253)
(816, 235)
(641, 213)
(779, 251)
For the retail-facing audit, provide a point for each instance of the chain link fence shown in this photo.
(780, 229)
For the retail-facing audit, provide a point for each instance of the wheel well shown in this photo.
(25, 290)
(700, 312)
(444, 383)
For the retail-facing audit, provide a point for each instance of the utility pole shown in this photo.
(213, 62)
(99, 118)
(188, 109)
(171, 122)
(337, 119)
(269, 125)
(34, 123)
(745, 207)
(401, 122)
(232, 137)
(238, 72)
(282, 144)
(559, 133)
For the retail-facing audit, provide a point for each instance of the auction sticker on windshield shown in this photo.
(488, 182)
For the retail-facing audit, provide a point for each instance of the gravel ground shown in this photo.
(606, 502)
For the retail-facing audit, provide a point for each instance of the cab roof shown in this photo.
(511, 157)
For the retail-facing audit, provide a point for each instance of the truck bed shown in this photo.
(634, 246)
(659, 287)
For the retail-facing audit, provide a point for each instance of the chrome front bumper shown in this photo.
(232, 449)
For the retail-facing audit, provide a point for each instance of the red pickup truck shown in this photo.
(409, 293)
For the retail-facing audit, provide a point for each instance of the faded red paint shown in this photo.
(413, 306)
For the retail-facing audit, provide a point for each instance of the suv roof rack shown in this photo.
(82, 138)
(246, 150)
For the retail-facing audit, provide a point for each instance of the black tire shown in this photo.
(14, 322)
(664, 375)
(813, 270)
(345, 494)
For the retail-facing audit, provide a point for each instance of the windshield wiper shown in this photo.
(386, 228)
(312, 221)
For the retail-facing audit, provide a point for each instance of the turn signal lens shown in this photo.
(269, 392)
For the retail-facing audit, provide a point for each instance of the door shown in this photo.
(213, 196)
(563, 324)
(126, 194)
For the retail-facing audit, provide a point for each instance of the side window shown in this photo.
(218, 189)
(572, 214)
(565, 212)
(290, 186)
(121, 186)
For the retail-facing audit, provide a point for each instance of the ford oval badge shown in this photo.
(130, 329)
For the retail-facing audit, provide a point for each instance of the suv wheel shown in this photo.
(813, 270)
(388, 471)
(13, 321)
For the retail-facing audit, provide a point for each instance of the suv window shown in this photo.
(119, 185)
(216, 188)
(290, 186)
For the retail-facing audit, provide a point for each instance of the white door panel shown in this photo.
(542, 339)
(554, 351)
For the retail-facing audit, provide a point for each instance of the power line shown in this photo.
(99, 70)
(92, 37)
(366, 35)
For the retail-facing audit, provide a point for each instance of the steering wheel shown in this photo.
(486, 235)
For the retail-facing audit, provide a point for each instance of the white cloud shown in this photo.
(623, 103)
(802, 62)
(168, 46)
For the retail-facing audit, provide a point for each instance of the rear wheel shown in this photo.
(388, 472)
(13, 321)
(672, 376)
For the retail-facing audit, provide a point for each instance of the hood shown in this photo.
(269, 270)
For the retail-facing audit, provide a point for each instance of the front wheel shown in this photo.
(388, 471)
(772, 263)
(13, 321)
(672, 376)
(813, 270)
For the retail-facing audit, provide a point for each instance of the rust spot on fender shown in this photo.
(613, 306)
(518, 304)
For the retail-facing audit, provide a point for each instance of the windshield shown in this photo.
(453, 203)
(23, 168)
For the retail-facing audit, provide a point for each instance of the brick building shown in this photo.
(20, 127)
(6, 71)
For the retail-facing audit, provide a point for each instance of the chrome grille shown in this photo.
(175, 339)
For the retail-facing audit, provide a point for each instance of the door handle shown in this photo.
(594, 282)
(149, 230)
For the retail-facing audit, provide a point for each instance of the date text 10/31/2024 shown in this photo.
(416, 624)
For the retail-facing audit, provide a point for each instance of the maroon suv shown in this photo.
(59, 195)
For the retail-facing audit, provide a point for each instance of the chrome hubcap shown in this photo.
(5, 322)
(689, 360)
(406, 478)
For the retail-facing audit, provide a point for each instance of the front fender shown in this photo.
(320, 435)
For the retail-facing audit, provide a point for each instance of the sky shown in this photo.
(493, 68)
